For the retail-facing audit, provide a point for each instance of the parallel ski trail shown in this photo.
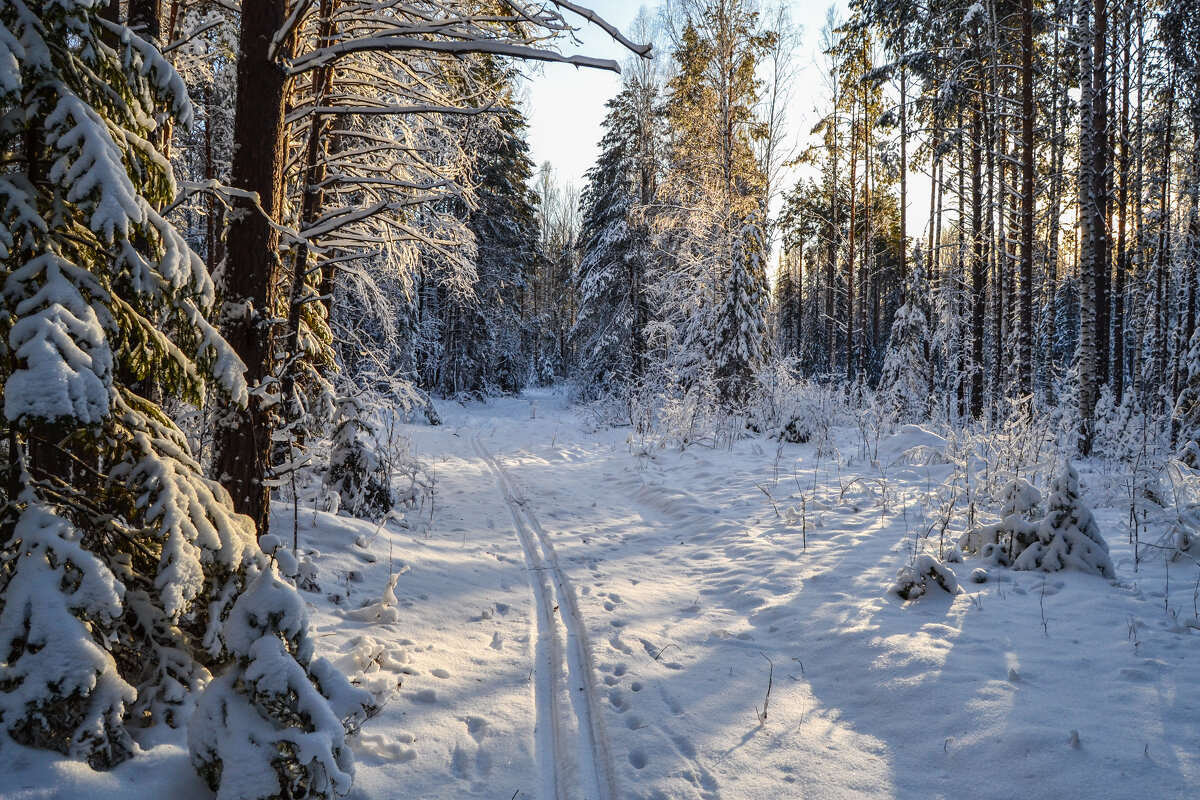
(567, 703)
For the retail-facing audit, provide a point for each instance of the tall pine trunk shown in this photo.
(251, 273)
(1025, 334)
(978, 265)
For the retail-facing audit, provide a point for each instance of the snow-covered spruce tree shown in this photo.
(741, 340)
(486, 333)
(119, 562)
(117, 541)
(609, 334)
(905, 381)
(1068, 536)
(356, 472)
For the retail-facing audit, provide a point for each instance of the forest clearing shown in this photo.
(836, 434)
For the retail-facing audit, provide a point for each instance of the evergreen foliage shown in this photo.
(121, 563)
(357, 473)
(484, 333)
(616, 246)
(1068, 537)
(122, 555)
(740, 346)
(905, 378)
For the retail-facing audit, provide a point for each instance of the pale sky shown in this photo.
(566, 104)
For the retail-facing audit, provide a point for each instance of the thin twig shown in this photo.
(660, 652)
(762, 718)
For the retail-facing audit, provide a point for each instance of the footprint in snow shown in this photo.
(381, 747)
(684, 746)
(477, 727)
(469, 767)
(497, 641)
(638, 759)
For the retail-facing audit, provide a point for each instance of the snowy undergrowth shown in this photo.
(712, 579)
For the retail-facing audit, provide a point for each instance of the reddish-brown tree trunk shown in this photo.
(251, 273)
(1025, 335)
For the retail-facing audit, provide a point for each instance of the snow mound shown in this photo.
(912, 444)
(914, 580)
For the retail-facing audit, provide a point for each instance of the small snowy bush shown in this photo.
(1068, 537)
(777, 405)
(914, 580)
(357, 472)
(1000, 542)
(1065, 538)
(274, 723)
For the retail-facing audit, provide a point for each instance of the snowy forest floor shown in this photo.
(580, 617)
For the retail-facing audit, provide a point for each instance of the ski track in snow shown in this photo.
(566, 692)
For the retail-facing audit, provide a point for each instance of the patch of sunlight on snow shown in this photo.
(924, 650)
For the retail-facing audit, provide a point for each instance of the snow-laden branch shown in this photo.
(325, 55)
(195, 33)
(226, 194)
(301, 113)
(643, 50)
(295, 17)
(349, 216)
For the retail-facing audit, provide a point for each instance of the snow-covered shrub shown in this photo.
(357, 473)
(906, 380)
(872, 419)
(914, 580)
(1068, 536)
(1167, 498)
(1001, 542)
(1065, 537)
(274, 723)
(686, 415)
(777, 403)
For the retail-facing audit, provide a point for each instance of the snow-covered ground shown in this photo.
(579, 616)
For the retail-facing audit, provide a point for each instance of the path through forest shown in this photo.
(585, 616)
